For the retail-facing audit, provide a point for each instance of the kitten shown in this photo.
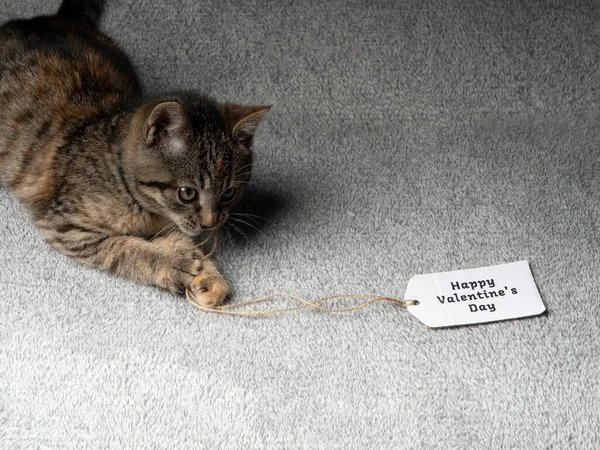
(105, 174)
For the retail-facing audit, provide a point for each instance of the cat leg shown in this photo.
(172, 262)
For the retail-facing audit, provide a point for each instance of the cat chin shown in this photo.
(197, 231)
(191, 233)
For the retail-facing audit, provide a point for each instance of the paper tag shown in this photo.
(486, 294)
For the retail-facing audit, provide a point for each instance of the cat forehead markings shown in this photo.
(206, 182)
(219, 163)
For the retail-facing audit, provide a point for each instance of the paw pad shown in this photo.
(208, 290)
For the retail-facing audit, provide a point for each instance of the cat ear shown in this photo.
(243, 121)
(167, 123)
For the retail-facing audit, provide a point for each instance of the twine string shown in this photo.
(315, 304)
(227, 309)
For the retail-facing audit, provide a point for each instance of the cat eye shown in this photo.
(228, 195)
(187, 194)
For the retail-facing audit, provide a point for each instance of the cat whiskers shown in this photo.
(253, 217)
(165, 231)
(239, 231)
(242, 168)
(229, 235)
(247, 223)
(224, 229)
(243, 174)
(241, 183)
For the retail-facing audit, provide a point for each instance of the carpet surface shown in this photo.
(406, 137)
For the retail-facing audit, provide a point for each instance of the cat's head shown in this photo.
(191, 158)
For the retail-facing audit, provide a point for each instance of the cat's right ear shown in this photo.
(243, 121)
(167, 125)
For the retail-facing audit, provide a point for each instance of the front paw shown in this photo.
(181, 261)
(190, 262)
(209, 288)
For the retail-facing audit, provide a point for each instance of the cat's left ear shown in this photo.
(243, 121)
(167, 126)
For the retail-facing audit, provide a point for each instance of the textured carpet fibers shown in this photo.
(406, 137)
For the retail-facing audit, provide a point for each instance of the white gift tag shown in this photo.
(485, 294)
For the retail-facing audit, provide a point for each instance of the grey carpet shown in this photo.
(406, 137)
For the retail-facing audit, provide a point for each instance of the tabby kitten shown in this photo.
(105, 174)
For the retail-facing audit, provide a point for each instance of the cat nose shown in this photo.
(208, 220)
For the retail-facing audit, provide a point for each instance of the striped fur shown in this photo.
(100, 168)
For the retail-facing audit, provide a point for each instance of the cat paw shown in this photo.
(208, 289)
(194, 275)
(191, 262)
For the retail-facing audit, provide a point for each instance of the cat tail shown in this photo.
(88, 11)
